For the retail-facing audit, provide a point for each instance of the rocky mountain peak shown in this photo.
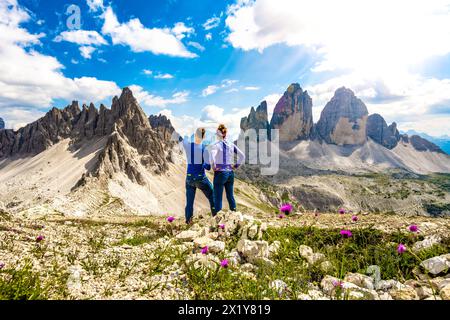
(343, 120)
(257, 119)
(381, 133)
(125, 119)
(161, 124)
(293, 115)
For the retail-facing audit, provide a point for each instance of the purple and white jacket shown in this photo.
(222, 156)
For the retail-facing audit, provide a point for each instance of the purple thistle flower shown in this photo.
(401, 248)
(2, 265)
(346, 233)
(224, 263)
(286, 208)
(170, 219)
(337, 283)
(413, 228)
(205, 250)
(355, 218)
(222, 226)
(40, 238)
(342, 211)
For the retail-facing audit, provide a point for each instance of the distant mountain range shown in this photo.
(443, 141)
(345, 137)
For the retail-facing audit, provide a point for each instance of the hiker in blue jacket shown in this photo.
(197, 157)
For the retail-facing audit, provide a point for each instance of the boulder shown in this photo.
(274, 247)
(360, 280)
(187, 235)
(426, 243)
(437, 265)
(213, 245)
(253, 250)
(405, 293)
(445, 292)
(207, 261)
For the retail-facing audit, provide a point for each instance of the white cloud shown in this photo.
(95, 5)
(196, 45)
(363, 35)
(19, 117)
(20, 63)
(141, 39)
(211, 23)
(164, 76)
(373, 44)
(147, 99)
(404, 99)
(81, 37)
(208, 36)
(209, 90)
(211, 116)
(158, 75)
(181, 31)
(87, 51)
(251, 88)
(272, 100)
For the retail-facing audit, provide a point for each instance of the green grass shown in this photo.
(366, 247)
(21, 284)
(138, 240)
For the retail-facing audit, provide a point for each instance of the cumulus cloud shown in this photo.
(81, 37)
(252, 88)
(211, 116)
(369, 46)
(86, 51)
(95, 5)
(31, 80)
(404, 99)
(211, 23)
(158, 41)
(349, 33)
(147, 99)
(196, 45)
(272, 100)
(157, 75)
(208, 36)
(211, 89)
(164, 76)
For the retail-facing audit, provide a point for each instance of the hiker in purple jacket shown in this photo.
(222, 159)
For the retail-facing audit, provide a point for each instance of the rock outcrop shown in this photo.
(162, 125)
(381, 133)
(343, 120)
(2, 124)
(421, 144)
(257, 120)
(293, 115)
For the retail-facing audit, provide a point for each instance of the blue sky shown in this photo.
(202, 62)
